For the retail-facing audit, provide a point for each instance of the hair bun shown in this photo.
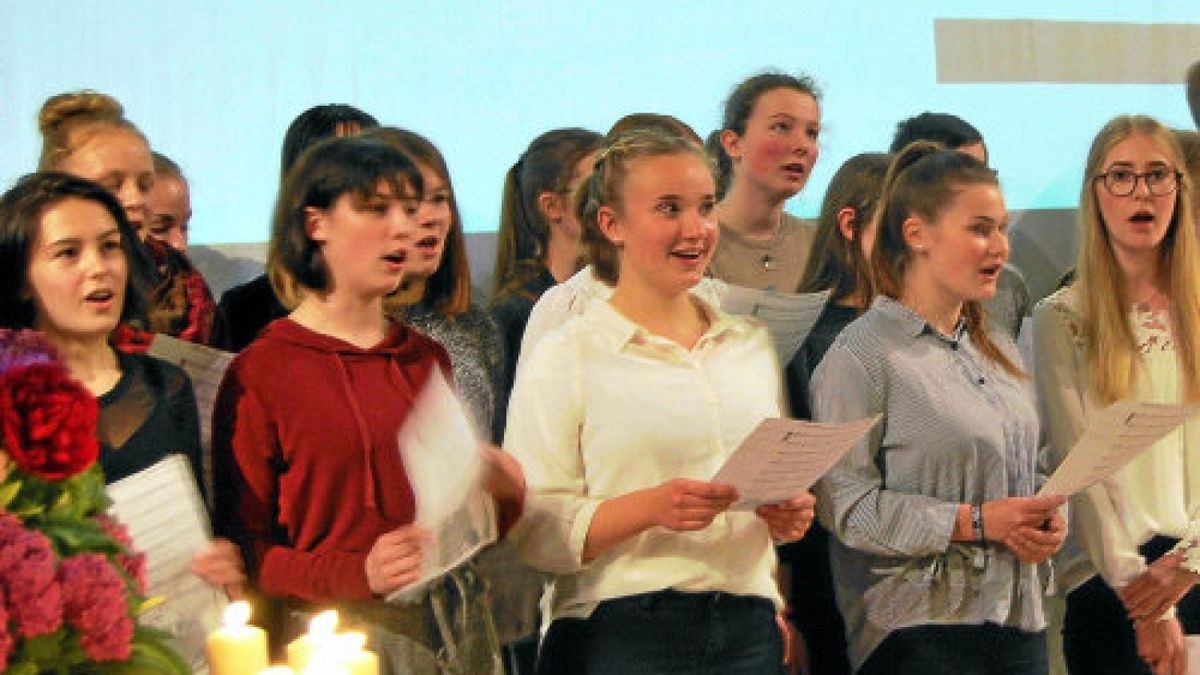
(60, 109)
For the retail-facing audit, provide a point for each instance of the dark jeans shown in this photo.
(988, 649)
(1098, 637)
(667, 632)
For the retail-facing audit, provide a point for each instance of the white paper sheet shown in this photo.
(205, 367)
(1113, 437)
(789, 317)
(444, 466)
(781, 458)
(166, 518)
(1191, 643)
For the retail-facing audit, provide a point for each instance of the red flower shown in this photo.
(132, 562)
(94, 604)
(48, 421)
(33, 597)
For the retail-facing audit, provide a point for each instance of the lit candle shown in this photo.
(237, 648)
(320, 633)
(358, 661)
(326, 662)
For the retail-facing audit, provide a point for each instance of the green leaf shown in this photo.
(21, 669)
(43, 649)
(78, 536)
(9, 489)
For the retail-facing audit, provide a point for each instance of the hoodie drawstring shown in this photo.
(363, 432)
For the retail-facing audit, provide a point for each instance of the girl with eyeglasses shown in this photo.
(1129, 328)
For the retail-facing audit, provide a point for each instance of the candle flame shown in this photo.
(236, 614)
(323, 624)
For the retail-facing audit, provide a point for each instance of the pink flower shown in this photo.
(94, 604)
(133, 563)
(6, 639)
(33, 597)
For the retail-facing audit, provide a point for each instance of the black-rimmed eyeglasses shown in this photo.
(1123, 182)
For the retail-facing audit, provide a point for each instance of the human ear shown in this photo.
(610, 225)
(915, 234)
(315, 224)
(551, 206)
(732, 143)
(846, 218)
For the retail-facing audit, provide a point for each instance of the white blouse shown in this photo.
(603, 408)
(1158, 492)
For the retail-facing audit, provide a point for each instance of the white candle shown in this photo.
(358, 661)
(237, 648)
(320, 634)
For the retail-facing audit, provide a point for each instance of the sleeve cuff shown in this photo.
(580, 528)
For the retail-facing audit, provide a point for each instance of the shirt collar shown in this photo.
(617, 331)
(913, 324)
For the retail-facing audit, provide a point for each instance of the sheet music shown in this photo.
(789, 317)
(1113, 437)
(166, 518)
(442, 458)
(205, 367)
(781, 458)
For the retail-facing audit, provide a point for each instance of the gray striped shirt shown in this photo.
(956, 429)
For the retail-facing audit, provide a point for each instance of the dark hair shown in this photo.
(1189, 143)
(547, 165)
(321, 175)
(838, 263)
(949, 130)
(922, 181)
(1193, 92)
(22, 208)
(740, 106)
(318, 123)
(448, 289)
(603, 188)
(165, 166)
(721, 161)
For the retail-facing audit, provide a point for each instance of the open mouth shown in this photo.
(990, 271)
(688, 255)
(1142, 218)
(796, 169)
(396, 257)
(102, 297)
(428, 243)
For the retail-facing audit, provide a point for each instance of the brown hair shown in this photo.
(922, 181)
(68, 121)
(837, 263)
(323, 173)
(448, 290)
(547, 165)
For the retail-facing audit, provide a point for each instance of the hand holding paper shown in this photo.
(782, 458)
(1114, 437)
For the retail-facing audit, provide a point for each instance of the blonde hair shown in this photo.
(603, 188)
(1109, 347)
(68, 121)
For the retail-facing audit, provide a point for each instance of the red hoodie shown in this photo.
(307, 465)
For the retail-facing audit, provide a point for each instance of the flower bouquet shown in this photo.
(71, 585)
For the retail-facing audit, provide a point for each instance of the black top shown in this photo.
(150, 414)
(243, 312)
(510, 311)
(799, 372)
